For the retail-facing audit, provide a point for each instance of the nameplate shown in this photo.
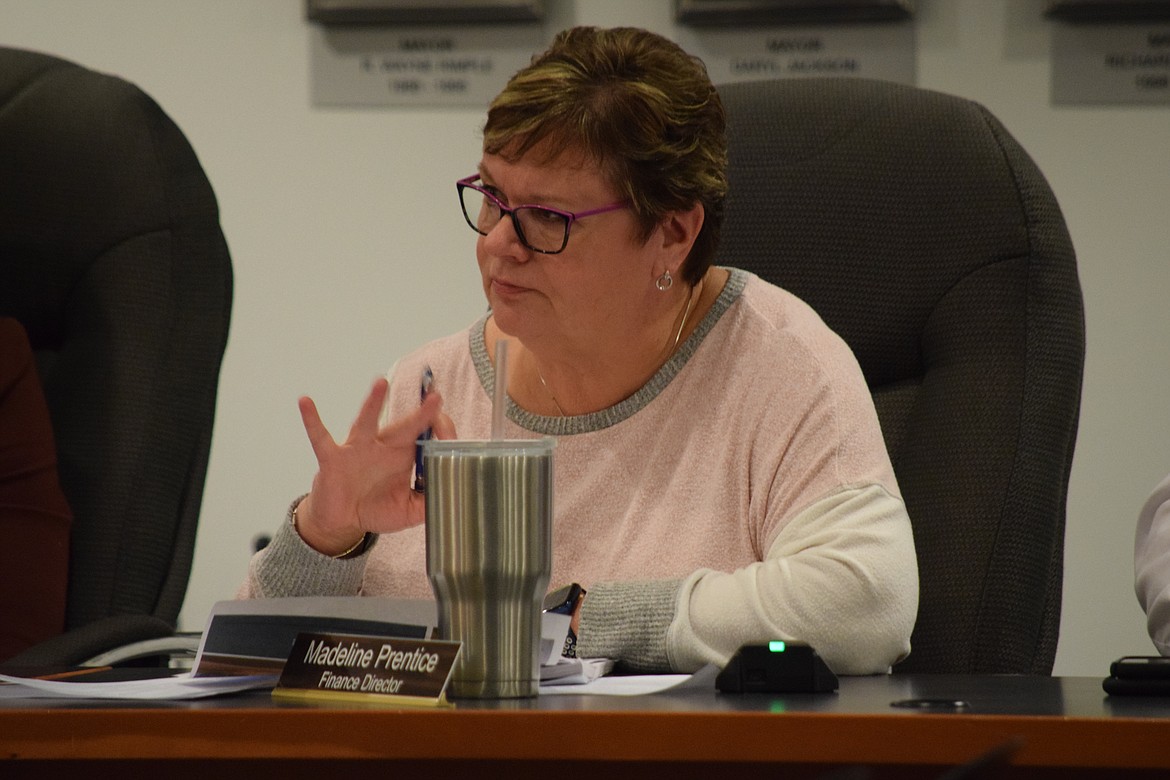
(418, 65)
(349, 667)
(878, 51)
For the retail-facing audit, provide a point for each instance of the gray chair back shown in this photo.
(925, 235)
(112, 256)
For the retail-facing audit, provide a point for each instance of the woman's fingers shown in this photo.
(319, 437)
(407, 430)
(443, 427)
(363, 482)
(367, 418)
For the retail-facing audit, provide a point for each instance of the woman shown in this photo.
(720, 473)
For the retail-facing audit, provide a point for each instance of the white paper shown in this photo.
(631, 685)
(183, 686)
(575, 671)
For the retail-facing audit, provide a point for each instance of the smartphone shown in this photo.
(1141, 667)
(1139, 675)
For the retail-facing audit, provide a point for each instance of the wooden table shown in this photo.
(1059, 727)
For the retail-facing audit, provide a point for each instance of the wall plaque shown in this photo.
(413, 65)
(878, 51)
(1110, 63)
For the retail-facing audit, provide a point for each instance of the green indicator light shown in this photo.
(776, 647)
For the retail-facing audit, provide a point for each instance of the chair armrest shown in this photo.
(80, 645)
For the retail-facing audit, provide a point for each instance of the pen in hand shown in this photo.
(420, 474)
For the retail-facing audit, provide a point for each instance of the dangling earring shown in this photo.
(664, 282)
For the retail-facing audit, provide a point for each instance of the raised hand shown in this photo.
(363, 484)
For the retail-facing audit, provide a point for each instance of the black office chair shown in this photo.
(112, 256)
(928, 239)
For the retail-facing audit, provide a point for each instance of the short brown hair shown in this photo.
(638, 105)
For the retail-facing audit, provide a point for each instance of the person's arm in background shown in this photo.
(35, 518)
(841, 576)
(1151, 559)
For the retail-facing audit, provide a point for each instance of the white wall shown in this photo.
(349, 250)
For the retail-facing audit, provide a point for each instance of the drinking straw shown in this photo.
(500, 396)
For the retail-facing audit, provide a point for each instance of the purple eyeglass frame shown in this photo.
(505, 211)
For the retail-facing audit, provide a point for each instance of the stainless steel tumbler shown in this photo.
(489, 558)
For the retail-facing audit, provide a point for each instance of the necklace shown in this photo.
(683, 324)
(673, 347)
(560, 411)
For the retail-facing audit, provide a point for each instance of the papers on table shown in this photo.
(246, 643)
(185, 686)
(638, 685)
(574, 671)
(180, 687)
(631, 685)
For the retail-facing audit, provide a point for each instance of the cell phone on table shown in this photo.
(1141, 667)
(1139, 675)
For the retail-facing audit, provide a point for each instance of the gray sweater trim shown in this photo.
(289, 567)
(629, 621)
(596, 421)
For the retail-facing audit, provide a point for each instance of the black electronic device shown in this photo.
(776, 667)
(1138, 675)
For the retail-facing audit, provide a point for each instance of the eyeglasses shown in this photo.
(540, 228)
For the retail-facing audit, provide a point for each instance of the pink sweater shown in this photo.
(743, 494)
